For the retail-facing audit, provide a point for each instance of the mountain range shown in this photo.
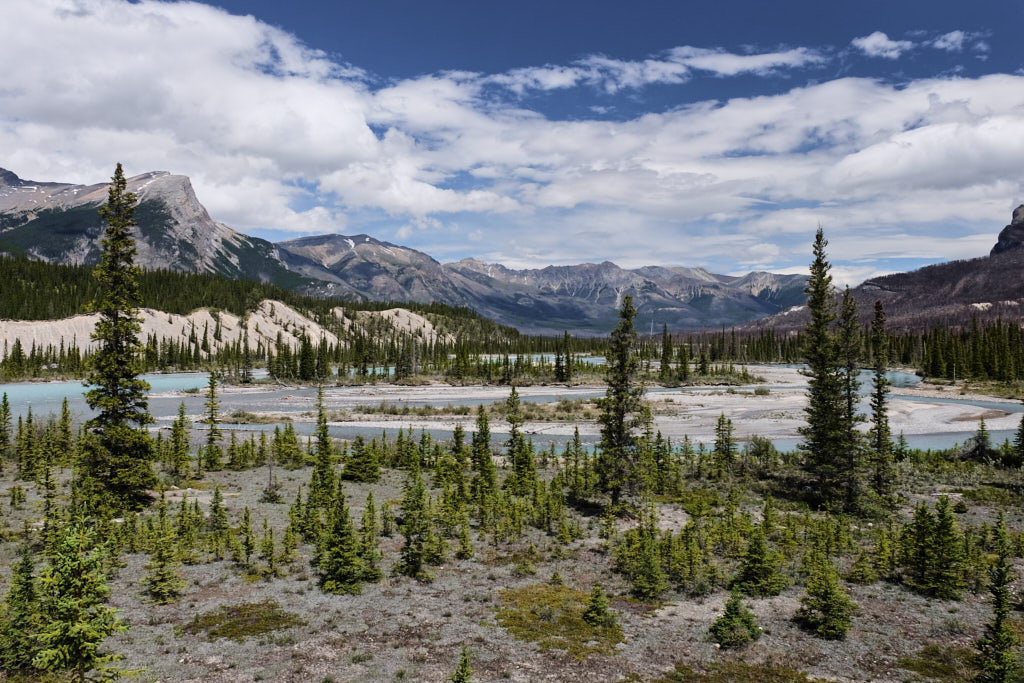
(953, 293)
(57, 222)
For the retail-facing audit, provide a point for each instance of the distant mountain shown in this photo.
(952, 293)
(57, 222)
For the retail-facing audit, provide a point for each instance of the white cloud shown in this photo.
(253, 116)
(950, 42)
(879, 44)
(727, 64)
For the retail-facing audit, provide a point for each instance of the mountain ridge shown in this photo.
(57, 222)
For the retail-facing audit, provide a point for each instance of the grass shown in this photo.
(238, 622)
(245, 417)
(944, 663)
(992, 495)
(552, 617)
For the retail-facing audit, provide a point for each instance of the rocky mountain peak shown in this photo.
(7, 178)
(1012, 236)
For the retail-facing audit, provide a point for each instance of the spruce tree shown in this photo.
(945, 576)
(725, 446)
(848, 348)
(5, 431)
(369, 553)
(463, 673)
(486, 474)
(597, 614)
(115, 468)
(737, 626)
(163, 580)
(524, 471)
(73, 590)
(415, 528)
(212, 454)
(824, 435)
(341, 570)
(665, 366)
(759, 574)
(21, 618)
(180, 463)
(825, 609)
(1016, 461)
(998, 646)
(617, 467)
(362, 464)
(882, 469)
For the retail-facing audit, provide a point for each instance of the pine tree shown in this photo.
(463, 673)
(22, 618)
(163, 580)
(617, 468)
(825, 609)
(737, 626)
(115, 468)
(341, 570)
(73, 590)
(998, 646)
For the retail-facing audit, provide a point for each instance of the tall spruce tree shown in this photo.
(115, 468)
(824, 436)
(882, 470)
(998, 646)
(519, 452)
(212, 456)
(5, 430)
(617, 467)
(848, 347)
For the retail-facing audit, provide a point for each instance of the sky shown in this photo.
(534, 133)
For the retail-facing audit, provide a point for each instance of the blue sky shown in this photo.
(530, 133)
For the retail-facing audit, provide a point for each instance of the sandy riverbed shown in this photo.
(692, 412)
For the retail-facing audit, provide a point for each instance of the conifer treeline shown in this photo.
(992, 350)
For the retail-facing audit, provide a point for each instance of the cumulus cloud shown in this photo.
(725, 63)
(267, 127)
(673, 67)
(950, 42)
(878, 44)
